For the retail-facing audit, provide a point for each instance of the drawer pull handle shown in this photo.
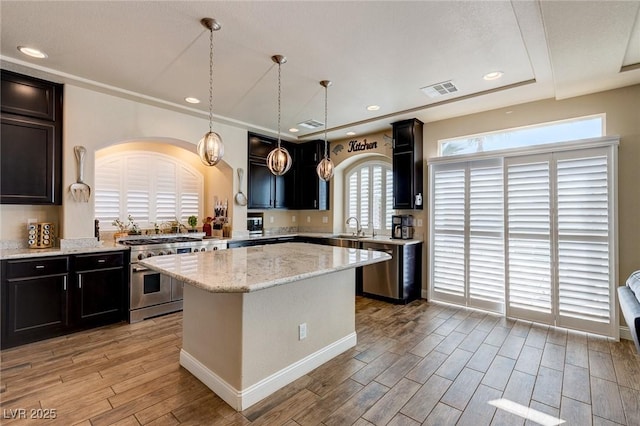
(39, 266)
(64, 283)
(79, 281)
(101, 260)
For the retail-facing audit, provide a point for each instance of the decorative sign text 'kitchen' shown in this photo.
(361, 146)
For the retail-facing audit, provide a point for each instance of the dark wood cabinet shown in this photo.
(31, 148)
(99, 294)
(265, 190)
(407, 164)
(51, 296)
(313, 192)
(299, 188)
(34, 299)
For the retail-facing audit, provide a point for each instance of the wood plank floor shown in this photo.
(423, 363)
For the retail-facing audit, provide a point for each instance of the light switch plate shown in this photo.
(308, 219)
(419, 222)
(293, 219)
(325, 219)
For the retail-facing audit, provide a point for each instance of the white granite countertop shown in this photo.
(377, 239)
(247, 269)
(25, 253)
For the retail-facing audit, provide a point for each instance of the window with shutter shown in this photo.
(552, 258)
(369, 196)
(149, 186)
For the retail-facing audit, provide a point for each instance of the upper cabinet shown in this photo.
(31, 149)
(312, 192)
(299, 188)
(265, 190)
(407, 164)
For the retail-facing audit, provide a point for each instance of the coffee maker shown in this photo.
(402, 226)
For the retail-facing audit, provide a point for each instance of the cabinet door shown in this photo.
(29, 162)
(260, 185)
(31, 97)
(403, 180)
(34, 309)
(99, 296)
(403, 136)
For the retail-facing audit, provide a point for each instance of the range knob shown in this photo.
(203, 249)
(169, 252)
(140, 256)
(215, 248)
(149, 254)
(195, 250)
(161, 253)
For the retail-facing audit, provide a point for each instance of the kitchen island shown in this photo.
(258, 318)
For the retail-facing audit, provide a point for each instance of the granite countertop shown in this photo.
(248, 269)
(24, 253)
(385, 239)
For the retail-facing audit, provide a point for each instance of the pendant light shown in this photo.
(325, 166)
(279, 159)
(210, 147)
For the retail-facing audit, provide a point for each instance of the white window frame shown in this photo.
(149, 160)
(385, 228)
(558, 151)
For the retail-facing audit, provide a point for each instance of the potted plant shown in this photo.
(193, 222)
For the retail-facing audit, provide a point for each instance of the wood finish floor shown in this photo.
(422, 363)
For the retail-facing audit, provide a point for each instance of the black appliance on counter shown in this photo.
(402, 226)
(255, 224)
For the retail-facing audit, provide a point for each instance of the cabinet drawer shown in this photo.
(37, 268)
(87, 262)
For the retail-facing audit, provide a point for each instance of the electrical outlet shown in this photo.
(325, 219)
(293, 219)
(270, 219)
(302, 331)
(308, 219)
(419, 222)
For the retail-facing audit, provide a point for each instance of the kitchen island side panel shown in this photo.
(271, 320)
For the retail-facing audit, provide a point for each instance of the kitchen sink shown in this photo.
(350, 236)
(346, 241)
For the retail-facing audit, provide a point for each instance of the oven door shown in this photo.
(148, 287)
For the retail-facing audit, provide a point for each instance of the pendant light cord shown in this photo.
(211, 80)
(326, 151)
(279, 92)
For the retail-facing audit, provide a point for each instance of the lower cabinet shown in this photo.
(99, 295)
(51, 296)
(34, 300)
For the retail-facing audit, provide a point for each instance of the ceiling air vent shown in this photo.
(440, 89)
(311, 124)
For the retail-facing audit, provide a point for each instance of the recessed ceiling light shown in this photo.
(192, 100)
(494, 75)
(351, 133)
(293, 130)
(373, 107)
(33, 52)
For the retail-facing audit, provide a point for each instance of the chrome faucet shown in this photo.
(358, 228)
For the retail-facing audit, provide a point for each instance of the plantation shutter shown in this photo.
(448, 229)
(369, 196)
(151, 187)
(552, 258)
(584, 267)
(529, 237)
(486, 235)
(107, 191)
(137, 188)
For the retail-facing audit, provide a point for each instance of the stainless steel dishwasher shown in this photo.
(396, 280)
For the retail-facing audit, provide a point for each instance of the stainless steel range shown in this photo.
(151, 293)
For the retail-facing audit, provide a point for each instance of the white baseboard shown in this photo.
(243, 399)
(423, 293)
(625, 333)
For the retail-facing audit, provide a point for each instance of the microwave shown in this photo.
(254, 225)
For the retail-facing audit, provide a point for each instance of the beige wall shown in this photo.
(622, 109)
(96, 121)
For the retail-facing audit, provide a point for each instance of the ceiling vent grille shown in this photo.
(440, 89)
(311, 124)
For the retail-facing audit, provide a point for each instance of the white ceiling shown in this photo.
(375, 52)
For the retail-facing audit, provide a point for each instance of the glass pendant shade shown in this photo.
(210, 149)
(325, 169)
(279, 161)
